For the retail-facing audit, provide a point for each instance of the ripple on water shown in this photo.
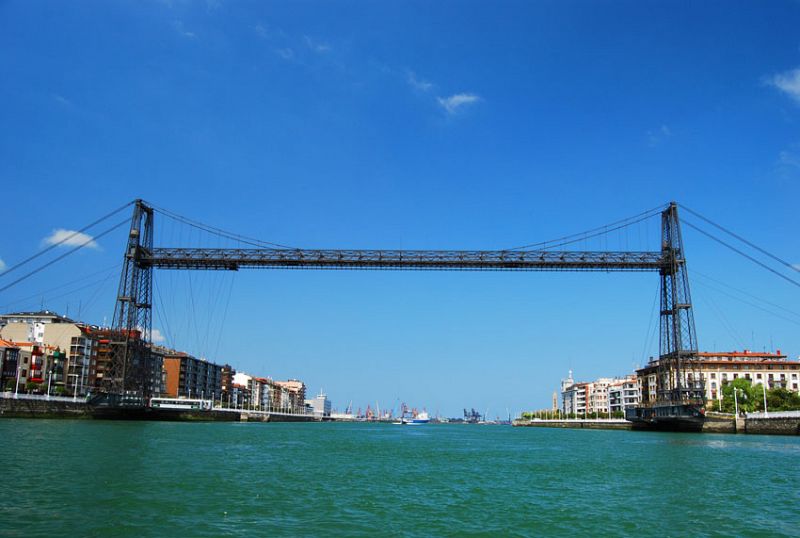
(151, 479)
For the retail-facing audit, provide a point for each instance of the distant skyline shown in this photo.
(458, 125)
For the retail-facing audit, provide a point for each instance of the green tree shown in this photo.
(32, 386)
(747, 394)
(780, 399)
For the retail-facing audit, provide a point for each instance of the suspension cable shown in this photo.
(736, 250)
(62, 241)
(600, 230)
(59, 258)
(218, 231)
(742, 239)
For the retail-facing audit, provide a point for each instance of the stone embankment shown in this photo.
(43, 408)
(589, 424)
(780, 423)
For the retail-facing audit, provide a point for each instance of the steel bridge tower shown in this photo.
(127, 378)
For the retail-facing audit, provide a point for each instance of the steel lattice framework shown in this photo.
(132, 316)
(444, 260)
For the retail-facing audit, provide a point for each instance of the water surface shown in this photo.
(99, 478)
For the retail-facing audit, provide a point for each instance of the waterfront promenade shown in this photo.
(354, 479)
(48, 406)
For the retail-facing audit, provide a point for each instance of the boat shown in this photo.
(412, 417)
(684, 417)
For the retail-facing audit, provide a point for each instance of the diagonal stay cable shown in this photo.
(59, 258)
(62, 241)
(736, 250)
(573, 238)
(219, 231)
(742, 239)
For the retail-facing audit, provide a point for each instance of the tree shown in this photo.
(32, 386)
(780, 399)
(747, 394)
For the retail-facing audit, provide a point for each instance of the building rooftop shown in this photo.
(39, 314)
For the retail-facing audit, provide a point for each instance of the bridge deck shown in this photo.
(475, 260)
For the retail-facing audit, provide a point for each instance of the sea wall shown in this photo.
(24, 408)
(772, 426)
(721, 424)
(581, 424)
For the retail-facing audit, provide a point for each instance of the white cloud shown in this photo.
(456, 102)
(418, 83)
(657, 136)
(156, 336)
(70, 238)
(60, 99)
(285, 53)
(2, 265)
(788, 83)
(261, 30)
(317, 46)
(181, 29)
(790, 158)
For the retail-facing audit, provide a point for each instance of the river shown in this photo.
(98, 478)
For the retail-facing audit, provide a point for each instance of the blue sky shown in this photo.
(413, 125)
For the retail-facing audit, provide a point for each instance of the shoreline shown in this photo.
(777, 424)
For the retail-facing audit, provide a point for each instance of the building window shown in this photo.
(736, 376)
(758, 376)
(713, 375)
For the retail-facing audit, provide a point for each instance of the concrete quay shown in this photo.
(57, 407)
(589, 424)
(778, 423)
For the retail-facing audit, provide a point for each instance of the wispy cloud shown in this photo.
(319, 47)
(790, 157)
(2, 265)
(657, 136)
(418, 83)
(261, 30)
(788, 165)
(70, 238)
(60, 99)
(788, 82)
(182, 31)
(455, 103)
(286, 53)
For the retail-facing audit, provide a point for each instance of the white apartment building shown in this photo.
(718, 368)
(604, 395)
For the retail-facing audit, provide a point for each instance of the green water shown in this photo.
(96, 478)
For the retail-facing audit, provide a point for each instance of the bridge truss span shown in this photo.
(678, 381)
(445, 260)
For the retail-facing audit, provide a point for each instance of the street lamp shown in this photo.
(16, 385)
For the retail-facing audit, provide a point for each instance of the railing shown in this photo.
(11, 396)
(774, 414)
(507, 260)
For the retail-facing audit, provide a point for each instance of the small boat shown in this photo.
(412, 417)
